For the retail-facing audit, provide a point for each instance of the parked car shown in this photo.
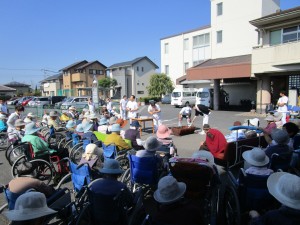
(13, 101)
(31, 103)
(42, 101)
(25, 102)
(22, 99)
(56, 99)
(78, 102)
(166, 99)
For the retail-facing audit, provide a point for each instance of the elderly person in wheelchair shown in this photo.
(115, 138)
(41, 148)
(17, 133)
(24, 181)
(173, 208)
(30, 209)
(285, 188)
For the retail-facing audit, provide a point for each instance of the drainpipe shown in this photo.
(261, 85)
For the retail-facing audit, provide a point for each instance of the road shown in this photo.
(186, 145)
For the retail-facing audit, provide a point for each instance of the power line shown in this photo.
(1, 68)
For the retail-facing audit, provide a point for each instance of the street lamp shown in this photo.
(95, 92)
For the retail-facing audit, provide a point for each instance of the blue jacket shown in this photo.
(3, 126)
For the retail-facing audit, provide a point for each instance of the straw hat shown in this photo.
(19, 123)
(204, 155)
(163, 131)
(122, 122)
(152, 144)
(72, 108)
(256, 157)
(92, 151)
(285, 188)
(169, 190)
(30, 128)
(280, 136)
(270, 118)
(103, 121)
(115, 128)
(111, 166)
(30, 205)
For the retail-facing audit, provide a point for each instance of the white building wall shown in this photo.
(119, 75)
(238, 35)
(177, 56)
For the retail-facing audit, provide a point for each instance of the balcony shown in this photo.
(278, 58)
(78, 77)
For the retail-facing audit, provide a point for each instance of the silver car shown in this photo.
(41, 102)
(78, 102)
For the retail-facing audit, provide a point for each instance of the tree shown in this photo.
(160, 84)
(107, 83)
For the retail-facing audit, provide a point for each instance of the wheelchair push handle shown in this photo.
(245, 128)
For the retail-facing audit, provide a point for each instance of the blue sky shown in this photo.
(51, 34)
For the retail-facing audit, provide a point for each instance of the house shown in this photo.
(276, 58)
(7, 91)
(132, 76)
(52, 85)
(78, 77)
(20, 87)
(218, 54)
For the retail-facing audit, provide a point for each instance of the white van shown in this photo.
(205, 97)
(180, 96)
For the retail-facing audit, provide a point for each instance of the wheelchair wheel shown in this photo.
(211, 205)
(56, 138)
(75, 147)
(65, 182)
(231, 207)
(125, 179)
(3, 141)
(16, 163)
(68, 145)
(124, 161)
(85, 216)
(14, 153)
(8, 150)
(76, 155)
(61, 143)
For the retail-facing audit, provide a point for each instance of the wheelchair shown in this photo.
(143, 173)
(3, 140)
(45, 167)
(111, 152)
(251, 194)
(104, 209)
(59, 201)
(77, 151)
(281, 162)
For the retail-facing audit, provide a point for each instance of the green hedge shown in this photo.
(147, 99)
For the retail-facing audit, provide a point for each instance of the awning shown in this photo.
(195, 82)
(221, 68)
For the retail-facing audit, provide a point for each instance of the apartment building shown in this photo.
(52, 85)
(276, 57)
(218, 54)
(78, 77)
(132, 76)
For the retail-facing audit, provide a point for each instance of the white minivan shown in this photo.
(205, 97)
(181, 96)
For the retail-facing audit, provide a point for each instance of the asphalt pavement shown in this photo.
(186, 145)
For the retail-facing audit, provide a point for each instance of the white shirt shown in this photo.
(186, 110)
(156, 108)
(132, 105)
(123, 104)
(283, 99)
(91, 107)
(12, 119)
(108, 106)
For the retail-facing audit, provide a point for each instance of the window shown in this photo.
(166, 48)
(219, 36)
(201, 40)
(275, 37)
(290, 34)
(285, 35)
(220, 9)
(186, 44)
(143, 84)
(137, 68)
(167, 69)
(99, 72)
(137, 83)
(142, 69)
(90, 71)
(186, 66)
(140, 92)
(187, 94)
(176, 94)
